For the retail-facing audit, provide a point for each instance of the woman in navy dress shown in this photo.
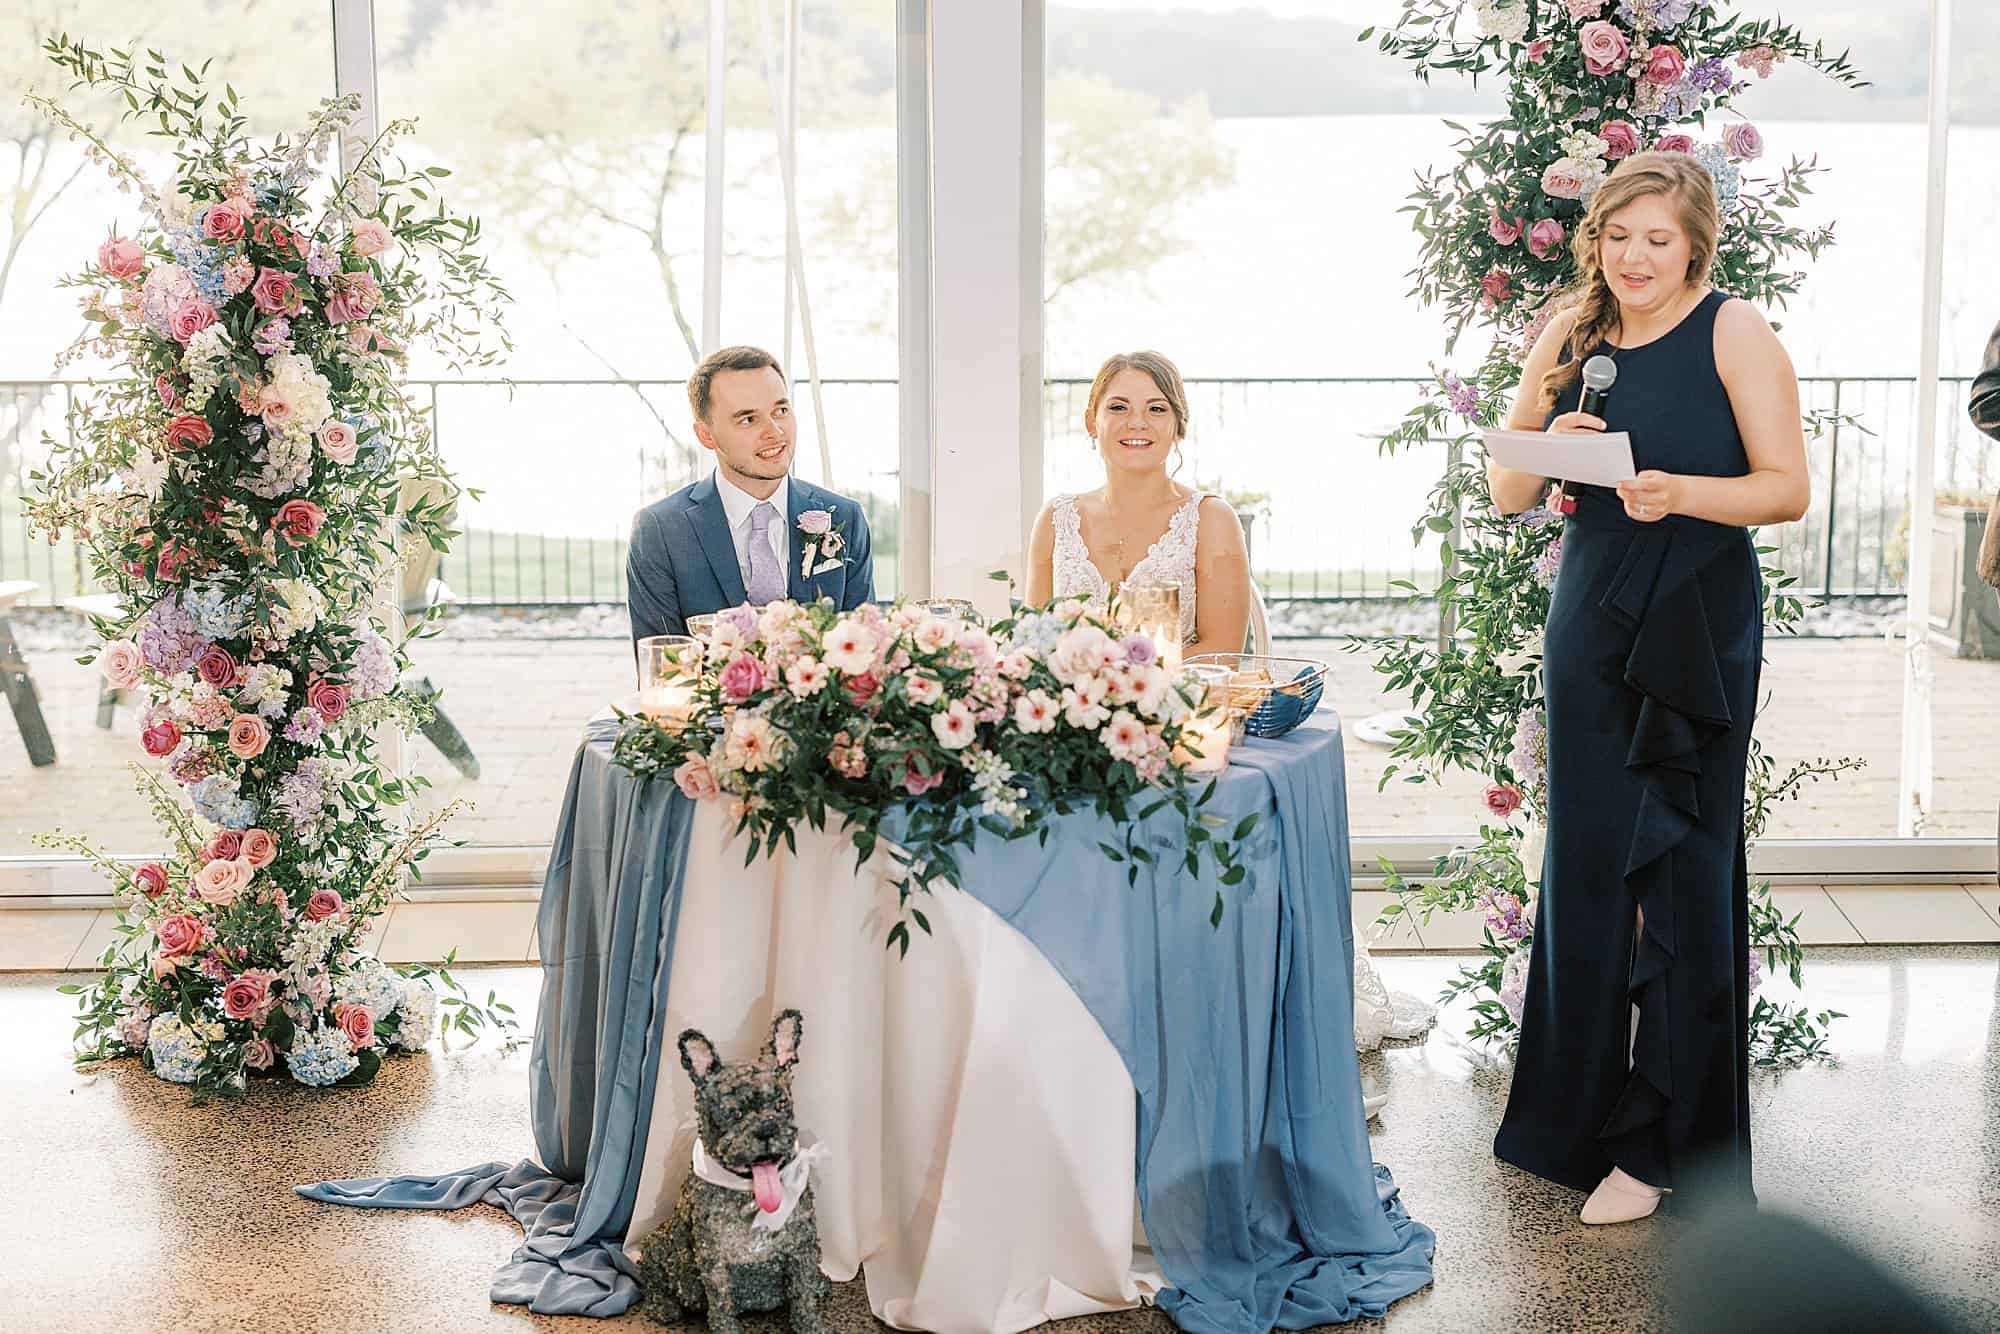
(1632, 1075)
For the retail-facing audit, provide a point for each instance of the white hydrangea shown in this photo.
(1505, 19)
(1584, 146)
(264, 682)
(176, 210)
(299, 608)
(147, 475)
(368, 981)
(418, 1008)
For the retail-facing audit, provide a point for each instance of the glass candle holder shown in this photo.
(1154, 609)
(669, 667)
(950, 609)
(701, 624)
(1211, 729)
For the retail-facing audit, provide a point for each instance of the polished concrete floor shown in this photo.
(127, 1209)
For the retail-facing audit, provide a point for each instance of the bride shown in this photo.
(1143, 526)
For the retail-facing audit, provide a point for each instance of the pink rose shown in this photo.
(696, 780)
(369, 237)
(274, 406)
(1741, 140)
(217, 667)
(915, 781)
(323, 904)
(742, 678)
(1664, 66)
(219, 882)
(161, 738)
(1566, 177)
(298, 521)
(1503, 799)
(327, 698)
(248, 995)
(150, 880)
(358, 1022)
(223, 845)
(276, 292)
(338, 442)
(1674, 143)
(190, 318)
(258, 1054)
(1538, 50)
(1605, 47)
(260, 847)
(861, 689)
(163, 385)
(179, 935)
(188, 431)
(121, 663)
(223, 222)
(1496, 287)
(1506, 231)
(1545, 238)
(167, 565)
(248, 735)
(1621, 138)
(354, 298)
(817, 523)
(120, 257)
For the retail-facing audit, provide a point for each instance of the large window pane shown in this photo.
(54, 209)
(1966, 708)
(589, 172)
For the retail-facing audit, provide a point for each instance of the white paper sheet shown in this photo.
(1600, 460)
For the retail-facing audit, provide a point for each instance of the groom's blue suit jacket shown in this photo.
(683, 561)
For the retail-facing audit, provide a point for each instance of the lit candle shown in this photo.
(1210, 729)
(669, 702)
(667, 673)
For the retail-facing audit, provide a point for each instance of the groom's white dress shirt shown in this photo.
(737, 504)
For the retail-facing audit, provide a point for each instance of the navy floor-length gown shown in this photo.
(1653, 650)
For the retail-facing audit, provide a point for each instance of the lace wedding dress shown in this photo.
(1378, 1014)
(1169, 560)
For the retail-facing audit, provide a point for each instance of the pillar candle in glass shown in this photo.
(1211, 727)
(669, 666)
(1154, 609)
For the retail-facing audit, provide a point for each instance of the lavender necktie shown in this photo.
(767, 576)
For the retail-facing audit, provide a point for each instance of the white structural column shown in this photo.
(713, 176)
(985, 82)
(354, 72)
(1919, 679)
(914, 419)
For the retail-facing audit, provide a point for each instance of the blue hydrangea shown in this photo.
(322, 1058)
(1728, 180)
(177, 1052)
(1038, 633)
(202, 261)
(215, 614)
(217, 800)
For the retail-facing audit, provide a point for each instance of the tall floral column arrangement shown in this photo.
(1588, 83)
(236, 485)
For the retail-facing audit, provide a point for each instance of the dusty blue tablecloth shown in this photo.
(1259, 1194)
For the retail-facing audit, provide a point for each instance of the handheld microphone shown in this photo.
(1599, 374)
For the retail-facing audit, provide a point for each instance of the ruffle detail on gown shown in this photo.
(1684, 708)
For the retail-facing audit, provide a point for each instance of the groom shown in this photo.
(748, 532)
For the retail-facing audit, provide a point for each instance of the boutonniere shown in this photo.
(823, 543)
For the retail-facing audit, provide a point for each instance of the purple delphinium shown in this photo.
(1464, 398)
(1753, 970)
(373, 671)
(321, 263)
(273, 336)
(1507, 916)
(1548, 562)
(1529, 758)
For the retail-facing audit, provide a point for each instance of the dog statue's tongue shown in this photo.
(764, 1181)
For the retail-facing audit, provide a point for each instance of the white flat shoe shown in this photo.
(1372, 1103)
(1620, 1198)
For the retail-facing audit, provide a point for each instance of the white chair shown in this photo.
(94, 607)
(1259, 638)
